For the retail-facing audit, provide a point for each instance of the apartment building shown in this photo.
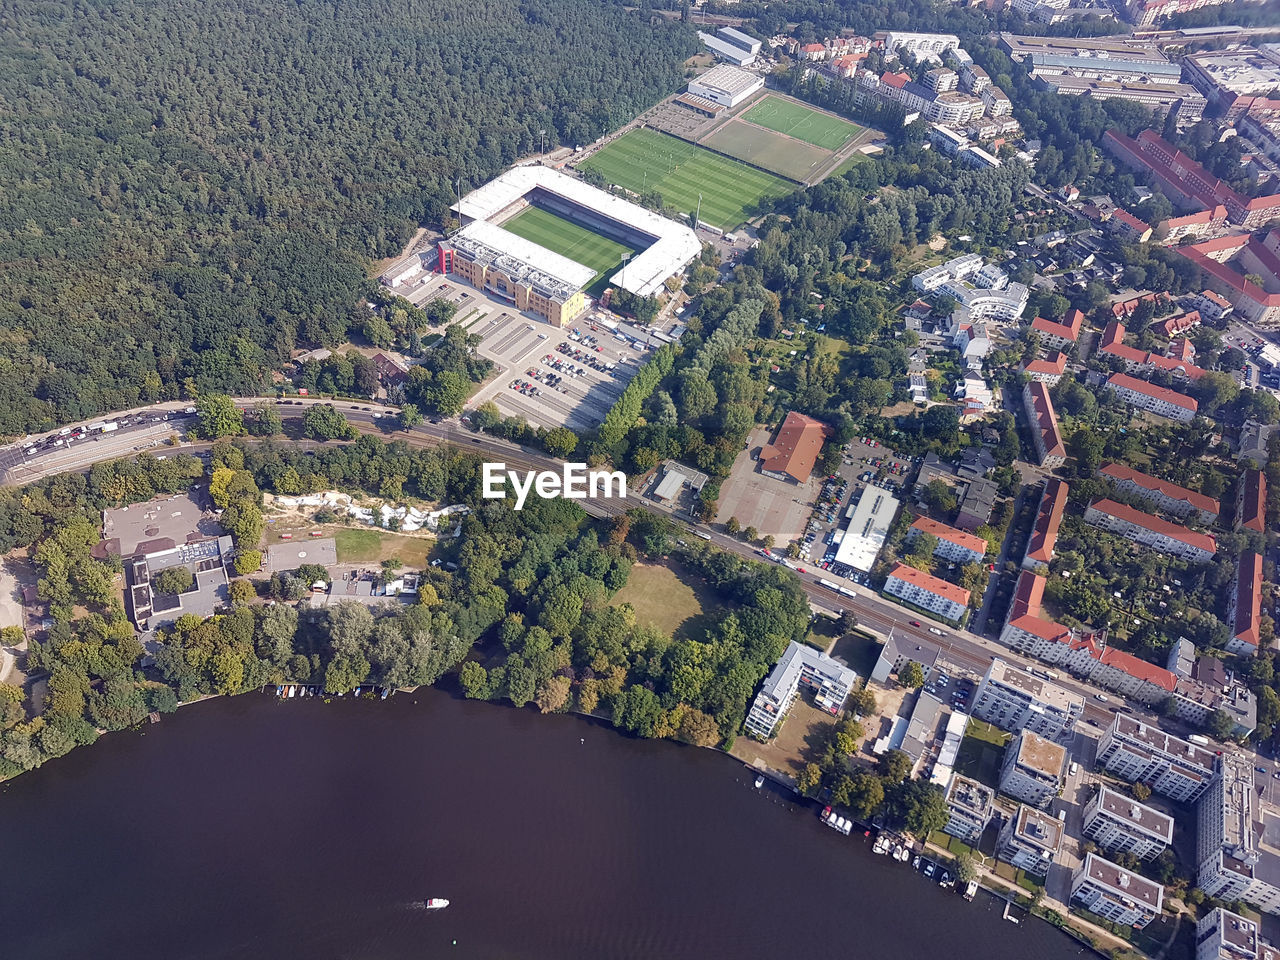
(1030, 840)
(955, 545)
(829, 681)
(927, 592)
(1051, 452)
(1119, 824)
(1151, 531)
(1251, 511)
(1244, 612)
(969, 807)
(1013, 699)
(1059, 335)
(1112, 892)
(1223, 935)
(1048, 370)
(1160, 494)
(1160, 401)
(1236, 859)
(1044, 535)
(1032, 770)
(1170, 766)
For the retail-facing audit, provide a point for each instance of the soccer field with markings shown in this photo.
(819, 129)
(570, 240)
(643, 160)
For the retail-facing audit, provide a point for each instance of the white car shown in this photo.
(1101, 697)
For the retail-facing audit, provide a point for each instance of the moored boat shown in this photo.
(435, 903)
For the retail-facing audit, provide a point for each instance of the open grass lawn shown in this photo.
(768, 149)
(803, 123)
(644, 160)
(850, 163)
(570, 240)
(662, 598)
(357, 545)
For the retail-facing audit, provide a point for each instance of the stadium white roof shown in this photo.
(869, 522)
(532, 262)
(673, 247)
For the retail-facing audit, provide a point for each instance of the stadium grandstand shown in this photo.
(545, 282)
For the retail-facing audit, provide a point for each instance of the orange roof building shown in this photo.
(1161, 494)
(796, 448)
(1245, 611)
(1044, 535)
(1252, 511)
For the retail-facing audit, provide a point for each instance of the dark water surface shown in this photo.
(250, 827)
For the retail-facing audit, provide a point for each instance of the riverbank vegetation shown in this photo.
(528, 617)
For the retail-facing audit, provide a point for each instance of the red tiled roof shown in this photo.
(1130, 221)
(1046, 420)
(949, 533)
(1120, 472)
(1126, 307)
(1175, 325)
(796, 449)
(812, 47)
(1200, 255)
(1249, 598)
(898, 80)
(1214, 297)
(1182, 349)
(1054, 365)
(1124, 381)
(930, 583)
(1253, 501)
(1048, 520)
(1134, 667)
(1147, 521)
(1068, 329)
(1113, 343)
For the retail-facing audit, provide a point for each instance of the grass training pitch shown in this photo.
(570, 240)
(764, 148)
(643, 160)
(819, 129)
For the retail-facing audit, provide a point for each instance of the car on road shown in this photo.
(1101, 697)
(915, 623)
(935, 631)
(1261, 769)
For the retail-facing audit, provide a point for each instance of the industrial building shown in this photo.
(1120, 824)
(1032, 770)
(868, 527)
(800, 665)
(1016, 700)
(1116, 894)
(725, 85)
(539, 280)
(1030, 840)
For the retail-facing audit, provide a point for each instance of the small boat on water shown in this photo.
(881, 845)
(760, 781)
(901, 853)
(916, 862)
(291, 693)
(435, 903)
(971, 889)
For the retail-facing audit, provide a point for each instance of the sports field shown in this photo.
(764, 148)
(644, 160)
(570, 240)
(819, 129)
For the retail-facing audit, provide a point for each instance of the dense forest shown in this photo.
(189, 191)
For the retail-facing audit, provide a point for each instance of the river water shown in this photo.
(251, 827)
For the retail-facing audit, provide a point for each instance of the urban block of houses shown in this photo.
(796, 448)
(976, 503)
(1151, 531)
(1032, 769)
(1170, 766)
(1251, 511)
(829, 681)
(1112, 345)
(955, 545)
(927, 592)
(1210, 687)
(1160, 401)
(982, 290)
(1175, 325)
(1116, 894)
(1051, 452)
(1236, 859)
(969, 808)
(1120, 824)
(1030, 840)
(1160, 494)
(1044, 535)
(1015, 700)
(1029, 632)
(1048, 370)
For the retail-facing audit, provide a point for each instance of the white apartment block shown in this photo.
(922, 46)
(927, 592)
(1161, 401)
(955, 545)
(982, 289)
(1236, 858)
(1119, 824)
(1032, 770)
(800, 665)
(1030, 840)
(1151, 531)
(1172, 767)
(1111, 891)
(968, 808)
(1223, 935)
(1015, 700)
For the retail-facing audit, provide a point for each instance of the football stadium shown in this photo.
(548, 283)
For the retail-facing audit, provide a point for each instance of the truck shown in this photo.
(1198, 739)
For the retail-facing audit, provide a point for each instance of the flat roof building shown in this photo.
(1030, 840)
(869, 522)
(1117, 823)
(969, 805)
(727, 86)
(1176, 768)
(829, 681)
(1032, 770)
(1116, 894)
(1223, 935)
(1235, 849)
(724, 50)
(1014, 699)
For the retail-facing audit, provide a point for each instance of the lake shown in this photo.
(253, 827)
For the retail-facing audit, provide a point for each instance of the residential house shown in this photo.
(1030, 840)
(1160, 494)
(927, 592)
(1116, 894)
(1151, 531)
(1120, 824)
(1032, 770)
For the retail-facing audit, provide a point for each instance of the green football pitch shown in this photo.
(800, 122)
(643, 160)
(570, 240)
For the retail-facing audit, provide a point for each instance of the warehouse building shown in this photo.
(869, 522)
